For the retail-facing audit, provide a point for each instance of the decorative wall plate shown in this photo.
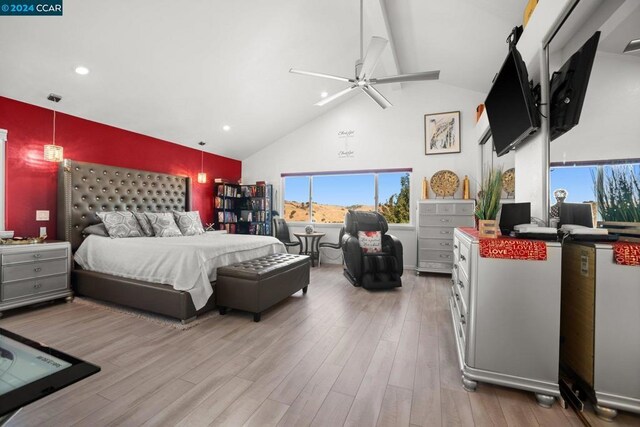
(445, 183)
(509, 181)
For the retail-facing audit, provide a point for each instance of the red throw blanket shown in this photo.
(510, 248)
(626, 253)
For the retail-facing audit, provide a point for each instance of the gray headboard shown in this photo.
(87, 188)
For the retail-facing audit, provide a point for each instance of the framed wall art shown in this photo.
(442, 133)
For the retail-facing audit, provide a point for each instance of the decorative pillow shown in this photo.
(97, 229)
(370, 241)
(121, 224)
(163, 224)
(144, 224)
(189, 223)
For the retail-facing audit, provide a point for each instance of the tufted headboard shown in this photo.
(87, 188)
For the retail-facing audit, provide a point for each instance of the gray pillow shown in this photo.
(97, 229)
(121, 224)
(144, 224)
(189, 223)
(163, 224)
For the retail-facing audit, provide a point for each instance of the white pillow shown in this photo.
(121, 224)
(370, 241)
(189, 223)
(163, 224)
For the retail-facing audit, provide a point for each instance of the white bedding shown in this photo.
(187, 263)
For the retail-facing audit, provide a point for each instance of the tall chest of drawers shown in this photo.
(34, 273)
(437, 219)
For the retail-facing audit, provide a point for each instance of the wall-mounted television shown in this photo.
(569, 87)
(510, 105)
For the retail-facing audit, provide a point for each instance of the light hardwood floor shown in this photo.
(339, 355)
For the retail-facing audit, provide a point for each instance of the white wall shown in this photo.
(609, 126)
(392, 138)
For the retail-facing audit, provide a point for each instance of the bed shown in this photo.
(152, 282)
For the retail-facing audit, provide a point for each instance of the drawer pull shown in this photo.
(462, 257)
(463, 320)
(455, 266)
(37, 269)
(445, 244)
(37, 286)
(37, 255)
(460, 284)
(445, 220)
(445, 232)
(455, 246)
(445, 256)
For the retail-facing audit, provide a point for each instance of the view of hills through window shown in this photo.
(331, 196)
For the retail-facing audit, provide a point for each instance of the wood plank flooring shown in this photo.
(338, 356)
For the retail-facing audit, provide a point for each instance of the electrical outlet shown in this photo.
(43, 231)
(42, 215)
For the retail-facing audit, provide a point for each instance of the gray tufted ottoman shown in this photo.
(257, 284)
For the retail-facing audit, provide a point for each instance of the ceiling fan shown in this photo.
(364, 70)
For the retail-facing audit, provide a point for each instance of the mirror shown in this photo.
(608, 133)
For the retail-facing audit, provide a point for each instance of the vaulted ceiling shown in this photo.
(179, 71)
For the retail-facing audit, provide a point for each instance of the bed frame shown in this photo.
(87, 188)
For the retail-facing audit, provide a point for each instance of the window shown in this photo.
(326, 198)
(612, 189)
(296, 199)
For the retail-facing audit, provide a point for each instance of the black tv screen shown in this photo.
(569, 87)
(510, 105)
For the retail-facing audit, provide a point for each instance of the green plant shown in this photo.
(618, 193)
(488, 202)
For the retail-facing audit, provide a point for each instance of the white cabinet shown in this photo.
(506, 316)
(437, 219)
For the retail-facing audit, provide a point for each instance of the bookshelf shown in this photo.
(243, 209)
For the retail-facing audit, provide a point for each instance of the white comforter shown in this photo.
(187, 263)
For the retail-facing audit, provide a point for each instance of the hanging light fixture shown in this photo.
(202, 176)
(53, 152)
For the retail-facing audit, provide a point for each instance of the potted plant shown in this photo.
(488, 203)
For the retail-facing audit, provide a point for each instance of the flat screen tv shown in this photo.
(510, 105)
(569, 87)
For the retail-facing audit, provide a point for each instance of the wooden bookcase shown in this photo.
(243, 209)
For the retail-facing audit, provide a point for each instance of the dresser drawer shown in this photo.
(435, 255)
(440, 244)
(465, 253)
(440, 266)
(462, 282)
(435, 232)
(27, 288)
(445, 221)
(465, 209)
(40, 255)
(11, 273)
(459, 314)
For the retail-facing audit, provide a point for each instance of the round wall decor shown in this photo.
(445, 183)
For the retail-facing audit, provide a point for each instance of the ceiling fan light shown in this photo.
(53, 153)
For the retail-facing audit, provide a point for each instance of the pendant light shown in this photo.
(202, 176)
(53, 152)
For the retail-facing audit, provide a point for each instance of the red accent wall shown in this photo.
(31, 182)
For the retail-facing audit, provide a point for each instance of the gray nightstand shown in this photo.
(34, 273)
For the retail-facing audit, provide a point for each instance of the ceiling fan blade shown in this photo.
(371, 58)
(376, 96)
(413, 77)
(326, 76)
(328, 99)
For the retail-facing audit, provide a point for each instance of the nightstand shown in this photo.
(34, 273)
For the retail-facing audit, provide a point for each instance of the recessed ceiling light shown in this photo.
(226, 128)
(324, 94)
(83, 71)
(633, 46)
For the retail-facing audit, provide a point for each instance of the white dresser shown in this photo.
(437, 219)
(506, 317)
(34, 273)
